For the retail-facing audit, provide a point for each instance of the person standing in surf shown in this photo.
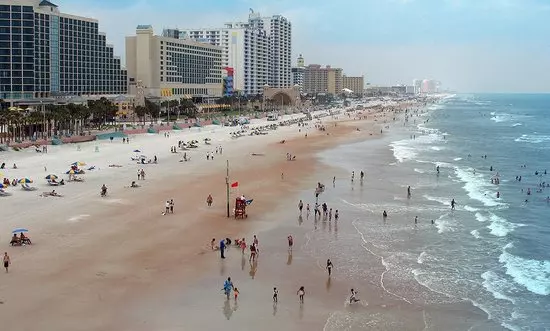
(453, 204)
(409, 192)
(300, 206)
(329, 267)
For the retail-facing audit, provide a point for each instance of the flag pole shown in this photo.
(227, 187)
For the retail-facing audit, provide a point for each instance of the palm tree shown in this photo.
(153, 109)
(140, 111)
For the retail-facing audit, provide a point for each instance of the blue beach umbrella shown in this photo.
(50, 177)
(2, 185)
(248, 202)
(19, 230)
(137, 151)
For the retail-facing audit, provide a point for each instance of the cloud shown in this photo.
(484, 45)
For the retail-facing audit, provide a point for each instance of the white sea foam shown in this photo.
(437, 148)
(441, 200)
(78, 218)
(470, 209)
(500, 227)
(497, 285)
(533, 139)
(534, 275)
(457, 159)
(420, 171)
(481, 218)
(402, 150)
(475, 233)
(500, 118)
(421, 258)
(516, 124)
(476, 187)
(443, 224)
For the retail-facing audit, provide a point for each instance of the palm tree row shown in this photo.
(18, 124)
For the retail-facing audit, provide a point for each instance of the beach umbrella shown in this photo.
(71, 172)
(2, 185)
(78, 164)
(25, 181)
(50, 177)
(137, 151)
(19, 230)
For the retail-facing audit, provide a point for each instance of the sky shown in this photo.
(468, 45)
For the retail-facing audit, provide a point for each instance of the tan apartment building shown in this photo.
(317, 79)
(356, 84)
(172, 68)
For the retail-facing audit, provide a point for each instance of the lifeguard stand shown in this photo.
(240, 208)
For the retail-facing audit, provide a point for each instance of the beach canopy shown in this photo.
(78, 164)
(50, 177)
(25, 181)
(19, 230)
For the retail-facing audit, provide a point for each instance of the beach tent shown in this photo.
(151, 130)
(216, 122)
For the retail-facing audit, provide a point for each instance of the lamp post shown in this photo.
(227, 187)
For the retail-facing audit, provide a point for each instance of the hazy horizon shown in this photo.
(475, 46)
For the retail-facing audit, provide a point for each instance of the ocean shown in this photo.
(491, 252)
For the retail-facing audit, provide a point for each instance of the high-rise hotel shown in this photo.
(258, 51)
(46, 53)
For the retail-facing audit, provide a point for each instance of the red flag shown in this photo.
(235, 184)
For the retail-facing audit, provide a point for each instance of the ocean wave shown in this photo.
(534, 275)
(476, 187)
(470, 209)
(500, 227)
(496, 285)
(532, 139)
(403, 151)
(420, 171)
(457, 159)
(443, 224)
(475, 233)
(421, 258)
(516, 124)
(441, 200)
(481, 218)
(498, 118)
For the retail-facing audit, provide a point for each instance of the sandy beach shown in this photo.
(115, 262)
(94, 258)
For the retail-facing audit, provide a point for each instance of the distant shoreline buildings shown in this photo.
(47, 56)
(45, 53)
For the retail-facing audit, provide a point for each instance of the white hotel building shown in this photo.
(258, 50)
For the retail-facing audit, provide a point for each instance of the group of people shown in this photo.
(168, 207)
(21, 240)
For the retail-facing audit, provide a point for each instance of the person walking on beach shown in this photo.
(301, 292)
(330, 215)
(329, 267)
(235, 293)
(307, 210)
(222, 249)
(171, 206)
(209, 200)
(227, 287)
(255, 241)
(7, 261)
(409, 192)
(333, 181)
(142, 174)
(362, 175)
(166, 208)
(300, 206)
(336, 216)
(352, 175)
(252, 257)
(275, 295)
(453, 203)
(416, 220)
(290, 242)
(242, 244)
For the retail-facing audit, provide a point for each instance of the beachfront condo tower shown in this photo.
(45, 53)
(168, 67)
(258, 50)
